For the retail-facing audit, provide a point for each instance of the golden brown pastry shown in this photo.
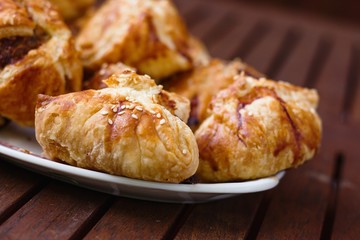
(147, 35)
(204, 82)
(106, 70)
(71, 9)
(123, 130)
(257, 128)
(37, 56)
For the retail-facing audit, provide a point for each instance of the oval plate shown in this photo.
(19, 146)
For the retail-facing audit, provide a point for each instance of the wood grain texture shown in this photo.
(17, 186)
(135, 219)
(226, 219)
(57, 212)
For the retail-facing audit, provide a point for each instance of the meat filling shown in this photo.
(15, 48)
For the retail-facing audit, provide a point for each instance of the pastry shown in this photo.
(37, 56)
(106, 70)
(257, 128)
(202, 83)
(147, 35)
(72, 9)
(123, 129)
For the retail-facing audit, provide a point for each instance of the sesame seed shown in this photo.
(152, 111)
(127, 98)
(123, 107)
(131, 107)
(184, 151)
(110, 121)
(138, 108)
(162, 121)
(104, 112)
(134, 116)
(121, 113)
(158, 115)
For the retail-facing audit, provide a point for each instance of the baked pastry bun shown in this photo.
(257, 128)
(147, 35)
(72, 9)
(37, 56)
(126, 129)
(201, 84)
(106, 70)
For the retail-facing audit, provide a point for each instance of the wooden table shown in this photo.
(319, 200)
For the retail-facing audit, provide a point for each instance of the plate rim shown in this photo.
(249, 186)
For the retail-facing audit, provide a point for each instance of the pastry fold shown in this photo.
(201, 84)
(257, 128)
(147, 35)
(133, 128)
(37, 56)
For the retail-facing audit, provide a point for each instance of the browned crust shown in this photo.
(203, 83)
(257, 128)
(50, 65)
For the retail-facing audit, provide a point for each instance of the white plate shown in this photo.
(121, 186)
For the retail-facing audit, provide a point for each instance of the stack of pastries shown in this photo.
(95, 99)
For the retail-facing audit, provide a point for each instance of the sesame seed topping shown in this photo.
(158, 115)
(110, 121)
(123, 107)
(131, 107)
(121, 113)
(127, 98)
(152, 111)
(134, 116)
(162, 121)
(104, 112)
(114, 109)
(139, 108)
(184, 151)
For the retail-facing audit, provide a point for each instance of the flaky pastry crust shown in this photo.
(72, 9)
(256, 129)
(37, 56)
(106, 70)
(201, 84)
(147, 35)
(123, 130)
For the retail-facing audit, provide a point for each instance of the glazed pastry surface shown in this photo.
(257, 128)
(37, 56)
(201, 84)
(147, 35)
(125, 129)
(72, 9)
(106, 70)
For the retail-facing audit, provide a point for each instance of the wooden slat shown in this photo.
(296, 68)
(16, 187)
(347, 219)
(59, 211)
(203, 27)
(332, 81)
(136, 219)
(261, 57)
(298, 205)
(232, 40)
(226, 219)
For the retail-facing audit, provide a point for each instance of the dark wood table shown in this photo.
(319, 200)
